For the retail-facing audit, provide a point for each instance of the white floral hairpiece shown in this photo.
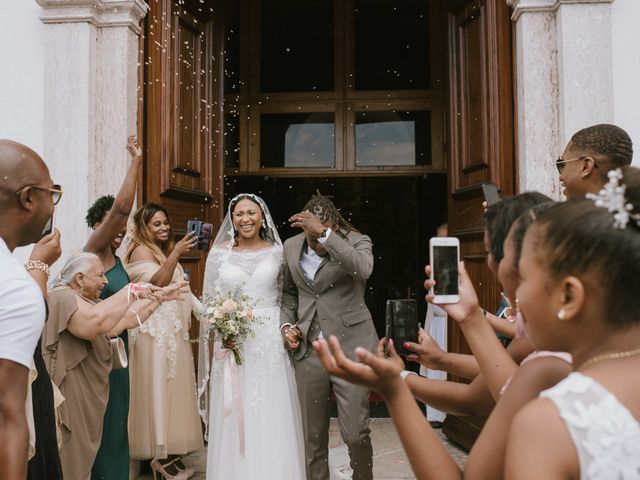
(612, 197)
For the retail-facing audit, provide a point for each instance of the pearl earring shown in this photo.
(562, 314)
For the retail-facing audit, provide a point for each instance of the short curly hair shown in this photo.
(608, 141)
(98, 210)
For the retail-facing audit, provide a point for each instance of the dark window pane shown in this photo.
(297, 45)
(232, 47)
(393, 138)
(392, 44)
(232, 139)
(297, 140)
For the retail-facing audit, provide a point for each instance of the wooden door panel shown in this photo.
(188, 171)
(481, 147)
(182, 119)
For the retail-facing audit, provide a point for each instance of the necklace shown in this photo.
(609, 356)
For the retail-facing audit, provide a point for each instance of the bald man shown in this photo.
(27, 198)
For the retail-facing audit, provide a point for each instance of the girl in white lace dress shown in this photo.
(255, 428)
(580, 293)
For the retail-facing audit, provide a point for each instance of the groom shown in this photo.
(327, 266)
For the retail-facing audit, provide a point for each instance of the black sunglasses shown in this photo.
(560, 162)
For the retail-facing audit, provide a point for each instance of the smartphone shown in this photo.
(491, 193)
(401, 324)
(50, 225)
(203, 231)
(444, 256)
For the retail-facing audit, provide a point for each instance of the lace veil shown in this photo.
(221, 248)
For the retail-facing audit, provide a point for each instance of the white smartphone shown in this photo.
(444, 256)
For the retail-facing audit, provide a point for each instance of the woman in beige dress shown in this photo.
(164, 423)
(77, 353)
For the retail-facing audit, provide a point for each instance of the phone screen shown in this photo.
(491, 194)
(401, 324)
(49, 226)
(445, 269)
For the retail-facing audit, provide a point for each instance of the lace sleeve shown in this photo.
(211, 271)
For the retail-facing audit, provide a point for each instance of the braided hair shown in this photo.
(608, 141)
(323, 208)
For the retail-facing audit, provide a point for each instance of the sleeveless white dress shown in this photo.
(605, 434)
(273, 440)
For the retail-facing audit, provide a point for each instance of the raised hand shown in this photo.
(291, 337)
(308, 222)
(468, 304)
(426, 351)
(186, 243)
(379, 374)
(48, 249)
(133, 148)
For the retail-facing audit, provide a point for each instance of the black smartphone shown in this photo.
(203, 231)
(491, 193)
(401, 324)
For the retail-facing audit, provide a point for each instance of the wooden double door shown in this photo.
(182, 110)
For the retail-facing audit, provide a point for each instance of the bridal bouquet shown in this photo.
(231, 316)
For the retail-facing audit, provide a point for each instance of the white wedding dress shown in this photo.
(266, 410)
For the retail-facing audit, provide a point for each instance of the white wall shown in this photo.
(22, 72)
(625, 18)
(22, 77)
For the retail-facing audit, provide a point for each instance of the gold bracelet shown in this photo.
(38, 265)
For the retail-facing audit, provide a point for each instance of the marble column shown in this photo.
(564, 83)
(90, 104)
(536, 72)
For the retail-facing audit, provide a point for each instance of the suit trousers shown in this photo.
(314, 391)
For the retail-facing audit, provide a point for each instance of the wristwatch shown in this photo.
(323, 234)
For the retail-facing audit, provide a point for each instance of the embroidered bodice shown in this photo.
(256, 272)
(605, 434)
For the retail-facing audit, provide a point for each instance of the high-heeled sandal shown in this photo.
(158, 468)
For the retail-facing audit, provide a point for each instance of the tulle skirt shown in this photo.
(266, 401)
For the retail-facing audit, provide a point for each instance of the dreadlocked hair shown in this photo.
(323, 208)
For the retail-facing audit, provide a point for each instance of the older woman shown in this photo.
(77, 353)
(163, 420)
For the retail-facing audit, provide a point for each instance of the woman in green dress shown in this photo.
(108, 218)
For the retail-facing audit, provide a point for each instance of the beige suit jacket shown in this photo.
(333, 301)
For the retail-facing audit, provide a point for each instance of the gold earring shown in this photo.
(562, 314)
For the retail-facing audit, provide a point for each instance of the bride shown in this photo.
(255, 427)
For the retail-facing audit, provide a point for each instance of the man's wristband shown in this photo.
(405, 373)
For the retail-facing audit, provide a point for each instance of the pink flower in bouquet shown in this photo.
(248, 312)
(218, 313)
(229, 306)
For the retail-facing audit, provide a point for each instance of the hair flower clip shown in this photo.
(612, 197)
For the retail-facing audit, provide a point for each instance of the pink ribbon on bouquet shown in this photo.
(232, 392)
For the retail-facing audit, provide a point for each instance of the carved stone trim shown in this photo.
(536, 6)
(101, 13)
